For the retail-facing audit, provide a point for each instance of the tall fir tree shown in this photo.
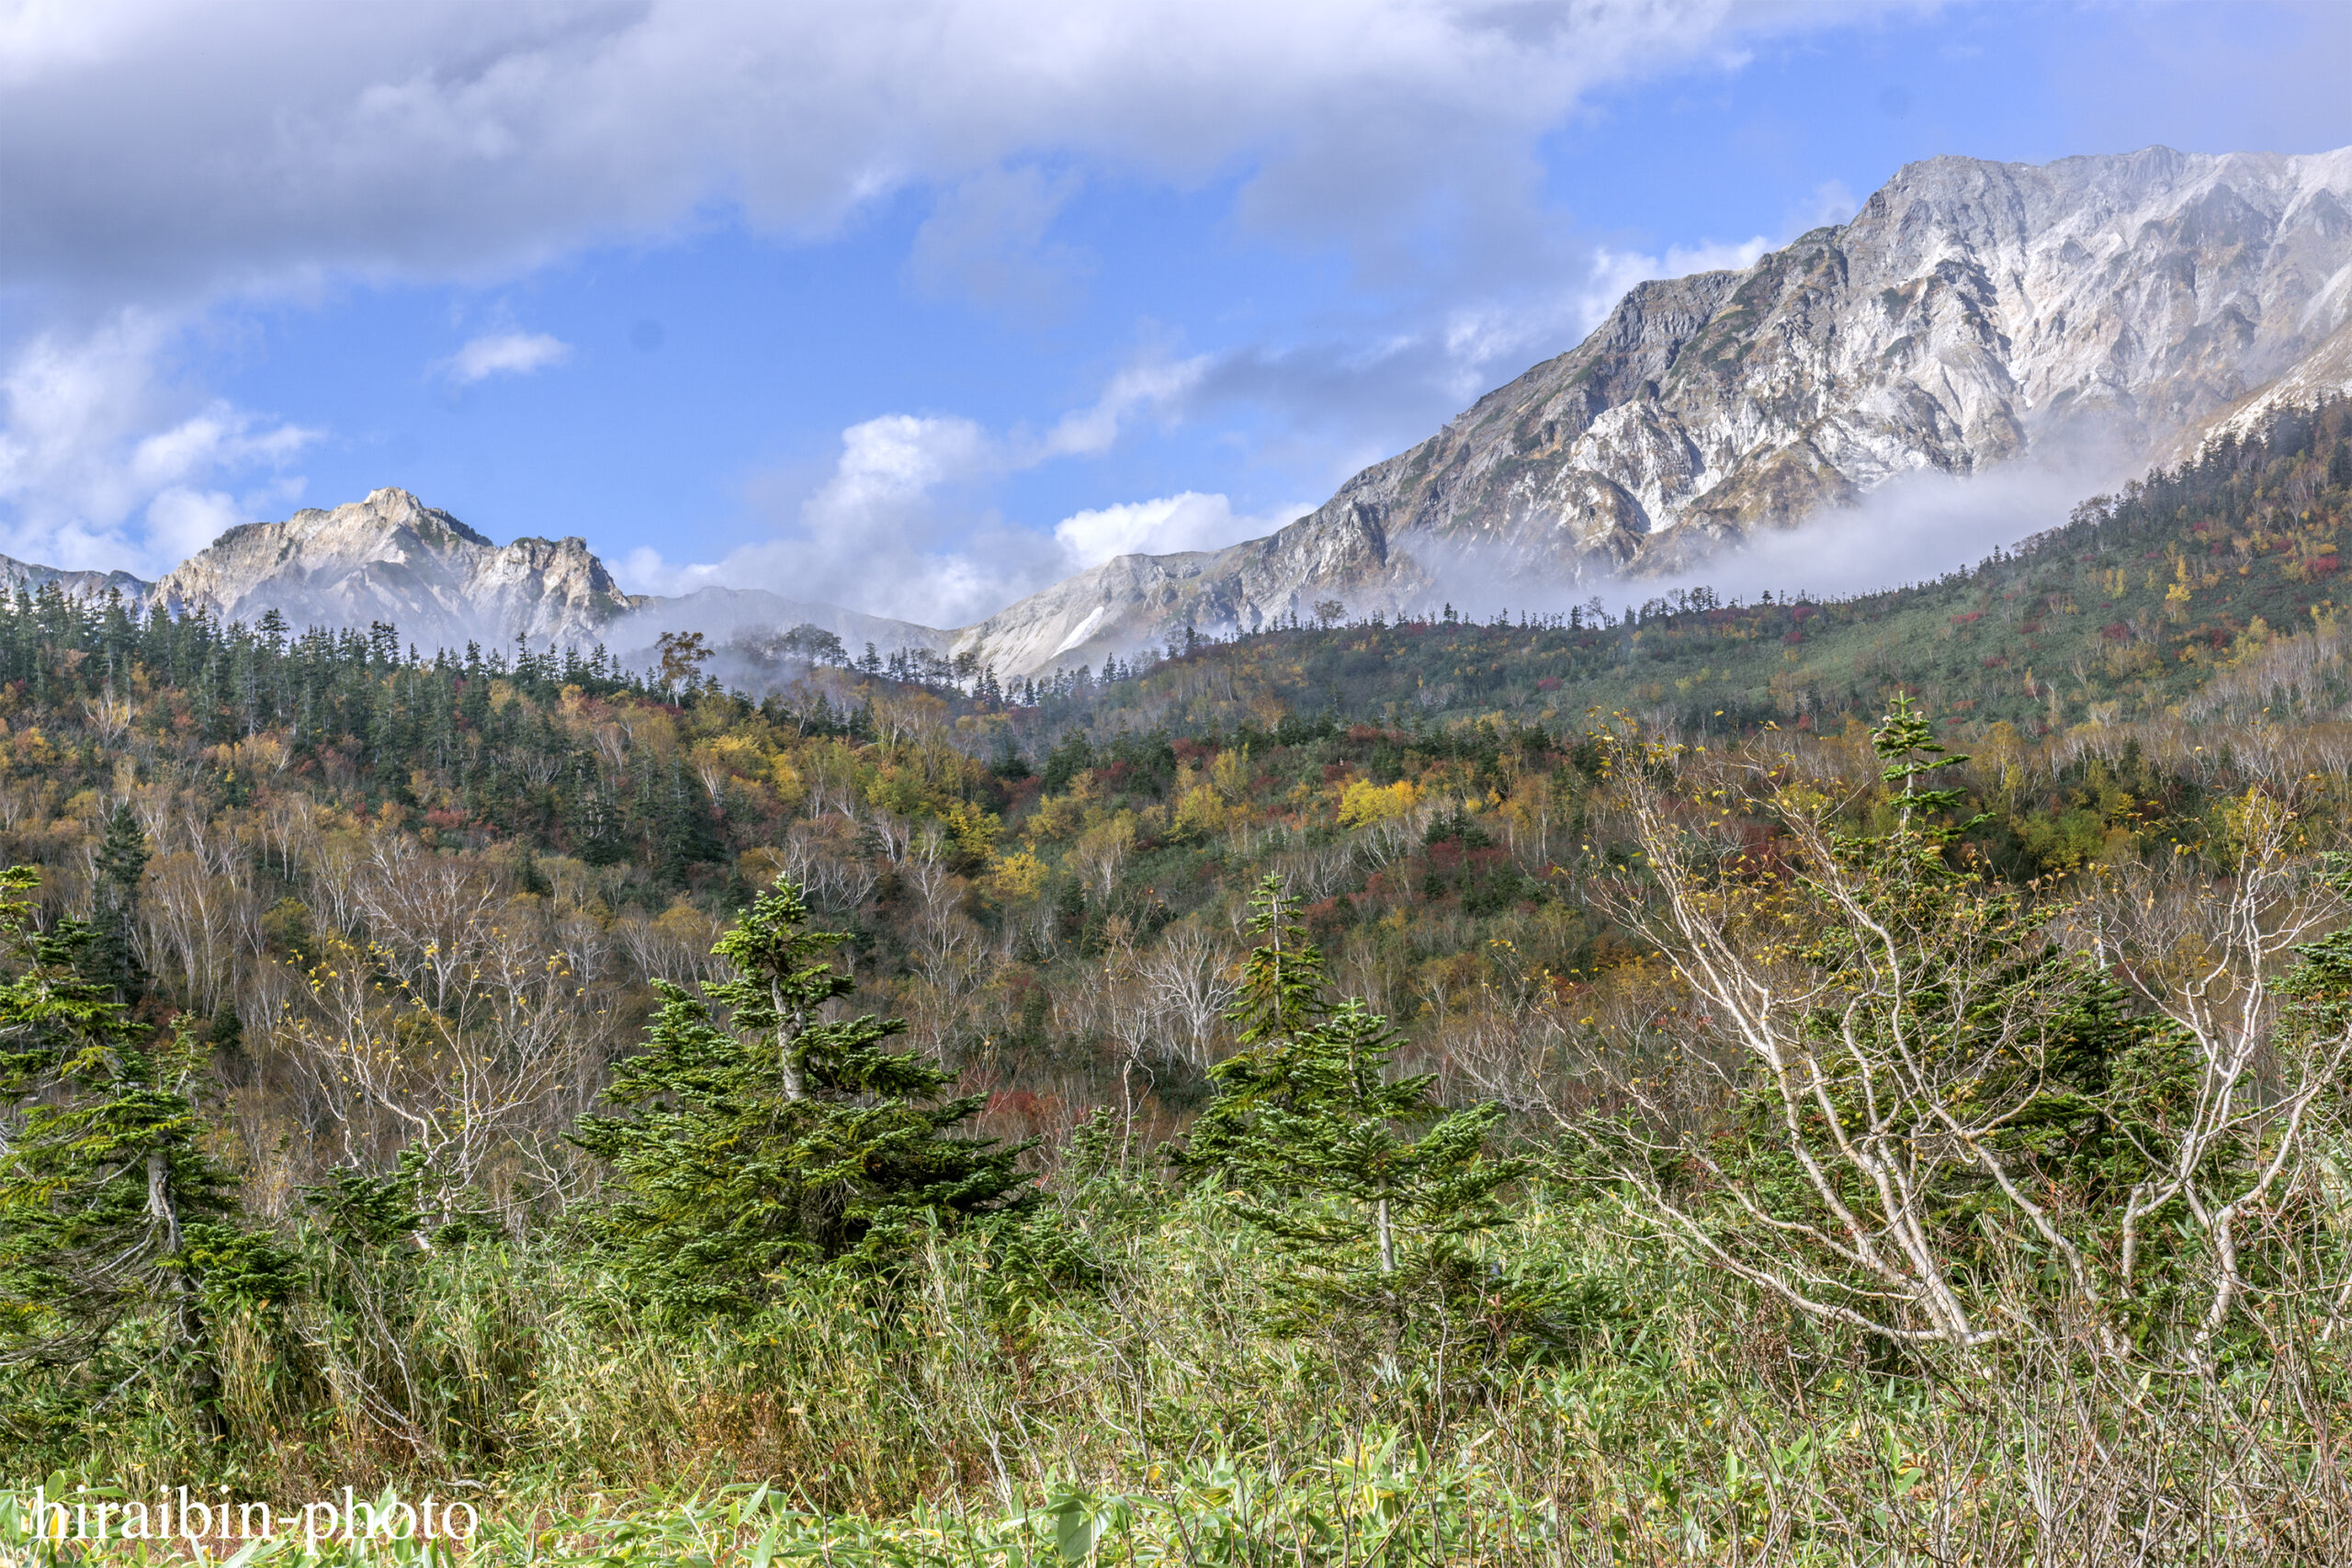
(761, 1136)
(114, 948)
(1366, 1179)
(110, 1209)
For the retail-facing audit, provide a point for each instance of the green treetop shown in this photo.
(1282, 980)
(761, 1135)
(110, 1209)
(1906, 743)
(1359, 1173)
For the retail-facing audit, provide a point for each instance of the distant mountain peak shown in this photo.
(16, 574)
(394, 505)
(392, 557)
(1970, 312)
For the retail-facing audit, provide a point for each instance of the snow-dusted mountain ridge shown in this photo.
(390, 558)
(1971, 313)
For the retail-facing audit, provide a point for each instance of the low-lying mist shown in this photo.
(1912, 528)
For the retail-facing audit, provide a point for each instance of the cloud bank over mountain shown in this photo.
(892, 531)
(221, 148)
(169, 159)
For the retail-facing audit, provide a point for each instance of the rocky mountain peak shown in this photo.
(390, 558)
(391, 508)
(1970, 312)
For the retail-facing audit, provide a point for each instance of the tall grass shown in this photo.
(976, 1412)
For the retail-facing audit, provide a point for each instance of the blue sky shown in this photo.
(917, 308)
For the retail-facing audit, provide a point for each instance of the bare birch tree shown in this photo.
(1193, 977)
(2207, 948)
(1928, 1123)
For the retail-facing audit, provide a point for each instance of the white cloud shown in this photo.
(182, 521)
(171, 150)
(1189, 521)
(895, 461)
(890, 531)
(1914, 528)
(986, 240)
(1829, 202)
(1153, 386)
(895, 530)
(96, 439)
(502, 354)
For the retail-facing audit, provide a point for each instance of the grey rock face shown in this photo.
(1970, 312)
(390, 558)
(1132, 599)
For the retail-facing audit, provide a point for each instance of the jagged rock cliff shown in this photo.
(1970, 312)
(1133, 600)
(390, 558)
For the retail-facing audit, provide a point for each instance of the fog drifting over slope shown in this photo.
(1913, 529)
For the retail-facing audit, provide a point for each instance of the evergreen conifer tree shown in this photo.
(114, 952)
(1364, 1177)
(761, 1136)
(683, 832)
(110, 1209)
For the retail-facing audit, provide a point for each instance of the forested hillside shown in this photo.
(1736, 1080)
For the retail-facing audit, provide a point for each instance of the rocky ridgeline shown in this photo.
(390, 558)
(1969, 313)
